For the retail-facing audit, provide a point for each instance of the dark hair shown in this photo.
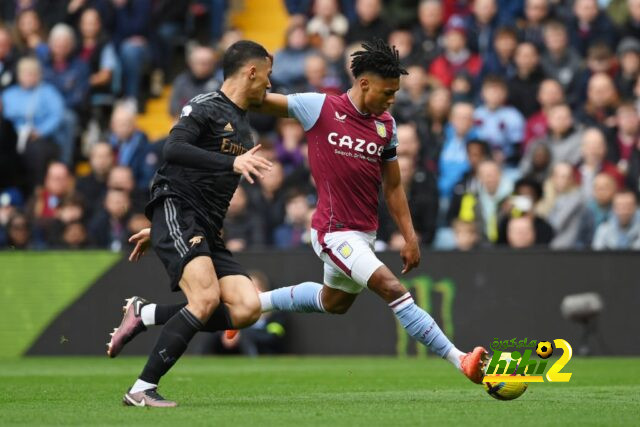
(378, 58)
(484, 145)
(532, 184)
(239, 54)
(494, 79)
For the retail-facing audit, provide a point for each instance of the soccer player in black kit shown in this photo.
(206, 154)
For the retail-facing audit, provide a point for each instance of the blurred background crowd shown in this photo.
(518, 122)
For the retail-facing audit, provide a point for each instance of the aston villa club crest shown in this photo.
(381, 129)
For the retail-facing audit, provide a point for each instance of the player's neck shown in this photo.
(357, 99)
(235, 92)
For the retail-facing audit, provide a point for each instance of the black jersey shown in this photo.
(199, 155)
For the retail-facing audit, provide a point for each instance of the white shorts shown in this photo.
(349, 260)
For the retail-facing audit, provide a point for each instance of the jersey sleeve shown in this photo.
(305, 107)
(389, 153)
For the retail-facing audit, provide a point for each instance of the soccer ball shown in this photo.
(544, 349)
(505, 391)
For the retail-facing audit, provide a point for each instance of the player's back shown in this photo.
(346, 150)
(217, 125)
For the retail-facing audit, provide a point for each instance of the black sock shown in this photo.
(220, 320)
(172, 342)
(164, 312)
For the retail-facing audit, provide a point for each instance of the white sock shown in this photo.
(265, 301)
(454, 356)
(148, 314)
(141, 386)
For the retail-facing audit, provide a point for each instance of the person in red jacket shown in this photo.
(456, 57)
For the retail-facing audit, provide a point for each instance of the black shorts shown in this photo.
(178, 236)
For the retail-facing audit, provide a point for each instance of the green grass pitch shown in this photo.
(333, 391)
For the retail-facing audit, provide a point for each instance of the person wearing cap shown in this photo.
(629, 60)
(456, 56)
(10, 201)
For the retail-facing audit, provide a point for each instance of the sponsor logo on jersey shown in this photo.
(186, 110)
(345, 250)
(358, 145)
(230, 147)
(340, 118)
(381, 129)
(228, 127)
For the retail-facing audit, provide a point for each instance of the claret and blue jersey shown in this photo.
(346, 151)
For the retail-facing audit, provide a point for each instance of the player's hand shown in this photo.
(410, 254)
(142, 239)
(250, 164)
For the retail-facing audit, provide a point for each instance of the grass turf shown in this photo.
(309, 391)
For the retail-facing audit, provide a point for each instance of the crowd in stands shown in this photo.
(518, 122)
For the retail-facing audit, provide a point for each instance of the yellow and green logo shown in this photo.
(519, 367)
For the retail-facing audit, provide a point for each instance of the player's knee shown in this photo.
(392, 289)
(205, 303)
(247, 313)
(337, 307)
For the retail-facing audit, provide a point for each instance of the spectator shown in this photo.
(30, 35)
(550, 94)
(566, 209)
(243, 226)
(622, 229)
(70, 211)
(502, 126)
(132, 146)
(594, 153)
(481, 25)
(199, 78)
(10, 203)
(288, 62)
(7, 59)
(589, 24)
(631, 27)
(597, 209)
(327, 20)
(93, 187)
(560, 61)
(369, 23)
(333, 51)
(420, 188)
(35, 110)
(108, 227)
(521, 233)
(402, 39)
(494, 189)
(627, 136)
(523, 87)
(601, 105)
(466, 235)
(526, 195)
(431, 127)
(19, 232)
(131, 32)
(536, 13)
(121, 178)
(315, 73)
(427, 35)
(563, 140)
(98, 52)
(269, 199)
(477, 152)
(291, 233)
(289, 144)
(412, 98)
(629, 60)
(499, 60)
(456, 56)
(453, 162)
(168, 21)
(74, 236)
(70, 75)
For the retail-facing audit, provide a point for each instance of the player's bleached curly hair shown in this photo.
(378, 58)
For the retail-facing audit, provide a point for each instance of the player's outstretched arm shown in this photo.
(274, 104)
(399, 208)
(142, 239)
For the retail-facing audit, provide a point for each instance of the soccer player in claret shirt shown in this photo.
(352, 151)
(207, 152)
